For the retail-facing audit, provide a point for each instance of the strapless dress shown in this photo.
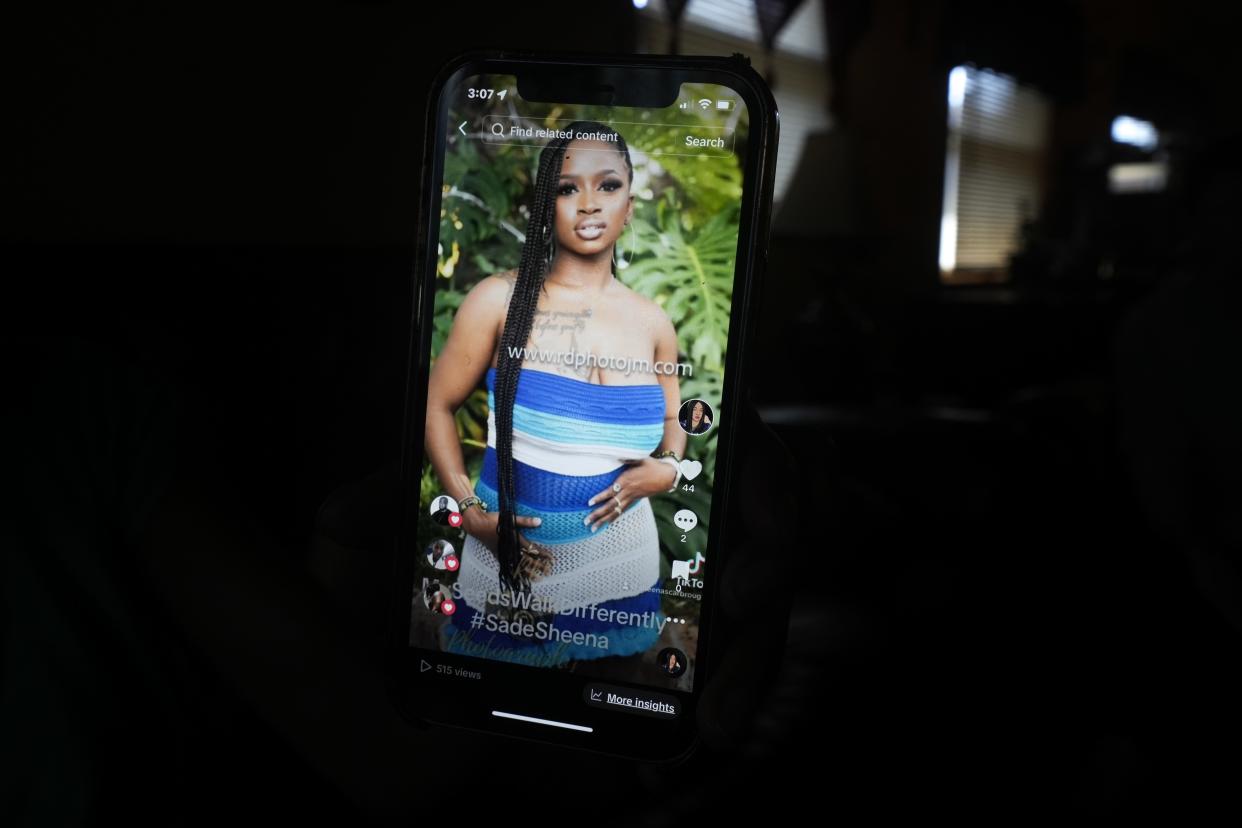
(571, 440)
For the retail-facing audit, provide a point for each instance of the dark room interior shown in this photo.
(999, 311)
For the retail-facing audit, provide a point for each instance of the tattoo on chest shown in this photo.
(559, 322)
(548, 324)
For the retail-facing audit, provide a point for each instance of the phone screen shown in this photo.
(622, 267)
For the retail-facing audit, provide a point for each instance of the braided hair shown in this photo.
(538, 251)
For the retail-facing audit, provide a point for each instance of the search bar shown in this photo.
(691, 139)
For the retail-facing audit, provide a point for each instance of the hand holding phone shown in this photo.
(349, 534)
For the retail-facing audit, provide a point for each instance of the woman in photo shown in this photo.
(696, 418)
(560, 512)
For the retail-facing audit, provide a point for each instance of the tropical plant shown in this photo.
(690, 276)
(682, 257)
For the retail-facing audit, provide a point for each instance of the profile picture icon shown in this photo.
(444, 511)
(672, 661)
(442, 555)
(695, 417)
(437, 598)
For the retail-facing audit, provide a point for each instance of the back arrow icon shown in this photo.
(461, 127)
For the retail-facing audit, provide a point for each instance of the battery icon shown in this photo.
(724, 104)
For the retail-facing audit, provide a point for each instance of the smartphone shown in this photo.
(592, 236)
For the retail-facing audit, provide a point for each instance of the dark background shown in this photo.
(1010, 493)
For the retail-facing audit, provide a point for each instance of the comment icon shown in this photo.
(685, 520)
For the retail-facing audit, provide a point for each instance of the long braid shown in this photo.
(532, 269)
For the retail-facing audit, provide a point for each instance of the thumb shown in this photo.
(348, 554)
(362, 514)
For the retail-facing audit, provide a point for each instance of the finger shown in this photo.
(606, 514)
(740, 579)
(600, 516)
(749, 646)
(359, 515)
(765, 459)
(528, 521)
(728, 704)
(609, 492)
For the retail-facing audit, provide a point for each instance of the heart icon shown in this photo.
(450, 563)
(690, 469)
(454, 519)
(448, 608)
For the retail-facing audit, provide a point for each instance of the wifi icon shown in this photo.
(705, 103)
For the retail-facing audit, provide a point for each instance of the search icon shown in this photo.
(498, 129)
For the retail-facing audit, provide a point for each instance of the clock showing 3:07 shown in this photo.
(486, 94)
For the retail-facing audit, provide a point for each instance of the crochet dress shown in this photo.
(571, 439)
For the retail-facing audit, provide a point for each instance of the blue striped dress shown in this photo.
(571, 440)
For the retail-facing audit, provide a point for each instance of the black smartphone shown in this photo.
(593, 231)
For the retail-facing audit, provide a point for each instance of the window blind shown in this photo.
(721, 27)
(997, 138)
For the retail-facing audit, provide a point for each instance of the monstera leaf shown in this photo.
(690, 276)
(714, 187)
